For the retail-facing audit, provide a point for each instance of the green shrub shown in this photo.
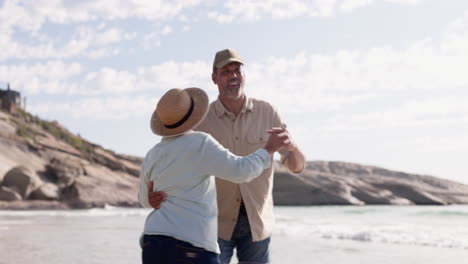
(25, 131)
(24, 128)
(64, 135)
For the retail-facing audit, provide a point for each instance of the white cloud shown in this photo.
(106, 81)
(70, 79)
(186, 28)
(102, 108)
(50, 77)
(153, 39)
(314, 82)
(30, 15)
(350, 5)
(246, 10)
(346, 6)
(311, 82)
(254, 10)
(85, 41)
(117, 89)
(434, 112)
(176, 75)
(109, 36)
(166, 30)
(406, 2)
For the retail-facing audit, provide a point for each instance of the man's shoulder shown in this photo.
(260, 102)
(211, 108)
(260, 105)
(210, 117)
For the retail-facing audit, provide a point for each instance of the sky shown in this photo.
(375, 82)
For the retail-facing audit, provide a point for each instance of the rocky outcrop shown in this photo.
(43, 166)
(341, 183)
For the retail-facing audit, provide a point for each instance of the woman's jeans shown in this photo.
(159, 249)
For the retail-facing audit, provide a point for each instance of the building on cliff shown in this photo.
(10, 100)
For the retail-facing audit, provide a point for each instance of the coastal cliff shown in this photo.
(44, 166)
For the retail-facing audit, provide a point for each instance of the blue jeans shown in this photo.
(158, 249)
(248, 252)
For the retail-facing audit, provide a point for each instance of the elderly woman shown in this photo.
(182, 165)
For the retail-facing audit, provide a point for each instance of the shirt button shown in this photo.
(237, 138)
(234, 220)
(238, 200)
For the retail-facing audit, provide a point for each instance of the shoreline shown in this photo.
(330, 251)
(56, 205)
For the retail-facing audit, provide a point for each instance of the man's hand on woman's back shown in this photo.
(155, 199)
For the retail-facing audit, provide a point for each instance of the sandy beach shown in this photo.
(287, 249)
(303, 235)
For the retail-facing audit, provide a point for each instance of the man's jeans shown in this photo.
(248, 252)
(165, 249)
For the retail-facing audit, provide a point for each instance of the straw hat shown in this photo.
(178, 111)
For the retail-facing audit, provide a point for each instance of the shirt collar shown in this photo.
(177, 135)
(221, 110)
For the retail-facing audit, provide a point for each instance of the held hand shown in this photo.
(296, 159)
(275, 141)
(288, 142)
(155, 199)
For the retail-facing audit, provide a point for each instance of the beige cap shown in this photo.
(226, 56)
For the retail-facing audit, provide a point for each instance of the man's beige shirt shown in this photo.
(244, 135)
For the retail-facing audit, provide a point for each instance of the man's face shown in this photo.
(230, 80)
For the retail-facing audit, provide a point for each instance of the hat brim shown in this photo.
(225, 62)
(200, 109)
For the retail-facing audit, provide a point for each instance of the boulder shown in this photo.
(22, 180)
(63, 172)
(8, 194)
(47, 191)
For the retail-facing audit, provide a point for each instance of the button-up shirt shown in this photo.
(243, 135)
(181, 166)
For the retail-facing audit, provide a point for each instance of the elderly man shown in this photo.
(239, 123)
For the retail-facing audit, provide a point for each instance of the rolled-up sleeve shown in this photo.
(221, 163)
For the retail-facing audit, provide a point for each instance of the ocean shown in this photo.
(302, 235)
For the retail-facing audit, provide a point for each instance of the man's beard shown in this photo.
(233, 91)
